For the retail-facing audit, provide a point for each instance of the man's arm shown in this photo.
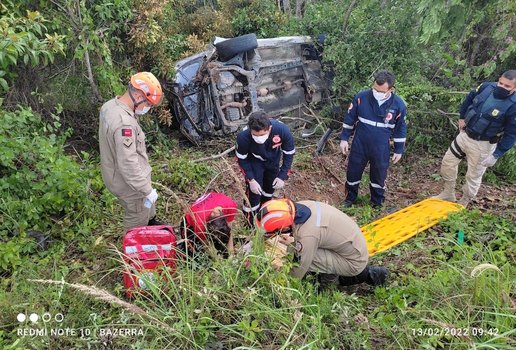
(242, 153)
(509, 135)
(127, 160)
(288, 148)
(307, 246)
(350, 119)
(399, 134)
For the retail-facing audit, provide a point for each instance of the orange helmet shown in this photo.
(276, 215)
(148, 84)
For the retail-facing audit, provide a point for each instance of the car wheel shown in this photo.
(228, 49)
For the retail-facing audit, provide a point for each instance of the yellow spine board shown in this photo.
(397, 227)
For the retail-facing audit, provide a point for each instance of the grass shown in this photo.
(434, 297)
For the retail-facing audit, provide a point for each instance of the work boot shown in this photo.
(448, 193)
(465, 200)
(326, 280)
(154, 222)
(347, 203)
(377, 275)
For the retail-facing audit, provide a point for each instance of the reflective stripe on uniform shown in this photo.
(265, 194)
(318, 214)
(353, 183)
(379, 125)
(376, 185)
(241, 156)
(248, 210)
(290, 152)
(399, 139)
(346, 126)
(258, 157)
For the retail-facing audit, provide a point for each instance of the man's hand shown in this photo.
(396, 158)
(490, 160)
(255, 187)
(462, 124)
(344, 147)
(278, 183)
(151, 198)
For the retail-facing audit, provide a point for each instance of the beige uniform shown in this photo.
(124, 162)
(475, 152)
(329, 242)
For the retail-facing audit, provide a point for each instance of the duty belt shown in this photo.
(478, 137)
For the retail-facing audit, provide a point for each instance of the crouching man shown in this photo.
(326, 241)
(208, 220)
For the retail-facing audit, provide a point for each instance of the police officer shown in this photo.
(487, 127)
(123, 155)
(326, 241)
(259, 149)
(374, 115)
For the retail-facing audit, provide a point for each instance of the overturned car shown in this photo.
(214, 91)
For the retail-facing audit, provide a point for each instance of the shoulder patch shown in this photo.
(128, 141)
(127, 132)
(299, 247)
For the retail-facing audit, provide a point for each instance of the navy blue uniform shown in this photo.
(261, 162)
(490, 119)
(373, 126)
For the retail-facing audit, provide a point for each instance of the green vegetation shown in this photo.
(60, 59)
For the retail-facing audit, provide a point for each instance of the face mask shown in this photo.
(142, 111)
(380, 96)
(501, 93)
(260, 139)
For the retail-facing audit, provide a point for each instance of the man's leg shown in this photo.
(476, 151)
(377, 174)
(136, 214)
(450, 167)
(268, 178)
(254, 199)
(356, 165)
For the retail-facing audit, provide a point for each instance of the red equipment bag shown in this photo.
(147, 252)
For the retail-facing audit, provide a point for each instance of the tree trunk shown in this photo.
(348, 14)
(300, 7)
(284, 6)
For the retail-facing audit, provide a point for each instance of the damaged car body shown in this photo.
(214, 91)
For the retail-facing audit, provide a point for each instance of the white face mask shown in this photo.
(260, 139)
(380, 96)
(142, 111)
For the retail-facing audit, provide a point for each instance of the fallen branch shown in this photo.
(220, 155)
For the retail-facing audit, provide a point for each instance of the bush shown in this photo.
(43, 188)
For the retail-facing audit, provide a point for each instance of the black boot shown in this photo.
(372, 275)
(154, 222)
(326, 280)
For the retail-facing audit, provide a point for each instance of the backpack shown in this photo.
(147, 252)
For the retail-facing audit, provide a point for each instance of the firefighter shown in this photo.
(487, 126)
(326, 241)
(259, 150)
(123, 155)
(375, 115)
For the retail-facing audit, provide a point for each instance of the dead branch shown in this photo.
(220, 155)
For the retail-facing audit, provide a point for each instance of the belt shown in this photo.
(477, 137)
(379, 125)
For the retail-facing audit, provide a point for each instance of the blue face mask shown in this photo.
(500, 93)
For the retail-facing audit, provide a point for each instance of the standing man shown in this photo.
(326, 241)
(375, 115)
(259, 149)
(487, 127)
(123, 155)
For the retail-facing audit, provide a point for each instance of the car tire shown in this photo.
(228, 49)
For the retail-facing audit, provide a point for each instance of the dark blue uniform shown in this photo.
(373, 125)
(490, 119)
(261, 162)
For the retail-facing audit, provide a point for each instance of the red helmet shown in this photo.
(276, 215)
(148, 84)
